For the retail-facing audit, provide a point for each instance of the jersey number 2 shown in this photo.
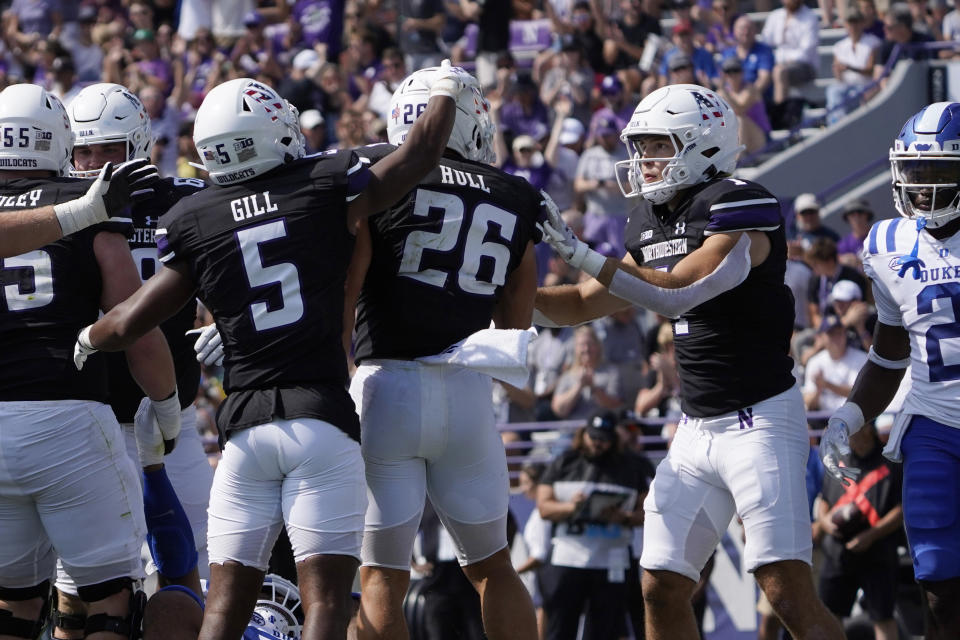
(261, 275)
(940, 372)
(32, 283)
(446, 240)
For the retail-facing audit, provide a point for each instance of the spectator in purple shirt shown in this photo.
(524, 113)
(527, 162)
(859, 215)
(322, 21)
(148, 68)
(31, 20)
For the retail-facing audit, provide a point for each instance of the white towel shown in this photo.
(498, 353)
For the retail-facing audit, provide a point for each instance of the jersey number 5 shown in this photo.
(261, 275)
(475, 247)
(27, 280)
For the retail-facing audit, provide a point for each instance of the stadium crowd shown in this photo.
(562, 79)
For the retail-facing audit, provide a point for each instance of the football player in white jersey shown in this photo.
(914, 264)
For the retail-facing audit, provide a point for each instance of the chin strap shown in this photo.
(912, 261)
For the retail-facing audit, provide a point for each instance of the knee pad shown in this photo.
(129, 626)
(94, 592)
(23, 627)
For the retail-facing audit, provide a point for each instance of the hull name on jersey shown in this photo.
(233, 176)
(249, 206)
(675, 247)
(449, 175)
(28, 199)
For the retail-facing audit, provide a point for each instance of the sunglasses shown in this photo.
(526, 150)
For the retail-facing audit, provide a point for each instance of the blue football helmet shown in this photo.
(278, 614)
(924, 162)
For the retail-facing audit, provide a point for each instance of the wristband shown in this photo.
(592, 261)
(83, 338)
(449, 87)
(851, 414)
(167, 407)
(880, 361)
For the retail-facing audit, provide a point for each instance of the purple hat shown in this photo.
(611, 86)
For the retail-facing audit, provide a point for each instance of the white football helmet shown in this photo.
(243, 129)
(925, 161)
(473, 130)
(106, 112)
(34, 130)
(278, 611)
(703, 130)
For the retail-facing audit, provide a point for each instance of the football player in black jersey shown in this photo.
(267, 251)
(67, 488)
(709, 251)
(439, 265)
(110, 124)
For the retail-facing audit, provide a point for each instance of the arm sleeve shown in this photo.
(169, 536)
(732, 270)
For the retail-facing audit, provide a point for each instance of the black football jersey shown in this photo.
(125, 394)
(440, 257)
(49, 294)
(270, 257)
(733, 350)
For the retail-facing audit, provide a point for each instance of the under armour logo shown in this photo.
(680, 228)
(147, 220)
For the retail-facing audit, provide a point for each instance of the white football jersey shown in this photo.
(926, 302)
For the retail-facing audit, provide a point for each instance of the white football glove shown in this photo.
(115, 188)
(82, 349)
(571, 249)
(156, 426)
(835, 441)
(209, 345)
(448, 80)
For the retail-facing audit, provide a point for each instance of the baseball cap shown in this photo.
(607, 126)
(683, 27)
(87, 13)
(602, 425)
(858, 205)
(679, 61)
(611, 86)
(310, 118)
(845, 291)
(524, 142)
(806, 201)
(571, 132)
(305, 59)
(731, 65)
(830, 321)
(64, 64)
(252, 19)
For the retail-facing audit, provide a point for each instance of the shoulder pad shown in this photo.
(738, 205)
(883, 238)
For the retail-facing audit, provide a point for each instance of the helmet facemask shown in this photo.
(926, 187)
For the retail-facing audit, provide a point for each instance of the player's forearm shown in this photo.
(151, 365)
(875, 388)
(565, 306)
(22, 231)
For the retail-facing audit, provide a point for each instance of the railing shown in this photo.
(544, 451)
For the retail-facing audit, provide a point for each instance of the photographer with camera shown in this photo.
(592, 494)
(857, 529)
